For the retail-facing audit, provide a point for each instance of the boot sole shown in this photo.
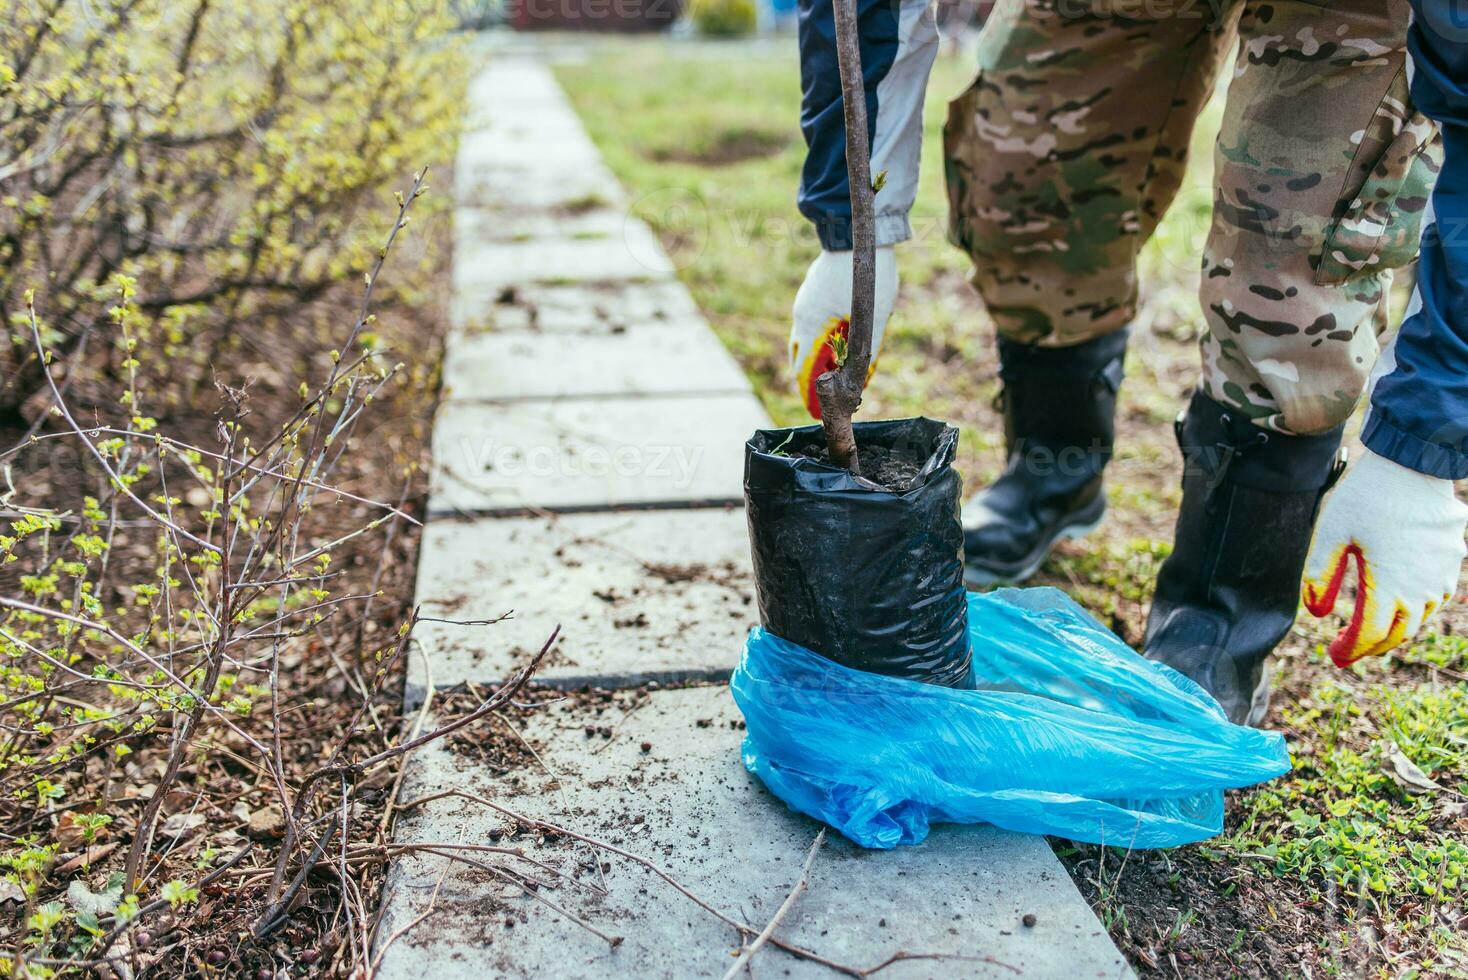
(1082, 523)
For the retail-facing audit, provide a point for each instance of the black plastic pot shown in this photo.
(869, 577)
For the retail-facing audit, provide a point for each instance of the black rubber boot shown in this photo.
(1229, 591)
(1059, 427)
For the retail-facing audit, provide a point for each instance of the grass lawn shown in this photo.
(1335, 868)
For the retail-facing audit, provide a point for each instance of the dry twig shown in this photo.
(744, 930)
(747, 954)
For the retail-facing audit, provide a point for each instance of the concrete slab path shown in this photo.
(669, 787)
(578, 480)
(639, 595)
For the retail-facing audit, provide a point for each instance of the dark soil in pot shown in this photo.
(866, 570)
(890, 469)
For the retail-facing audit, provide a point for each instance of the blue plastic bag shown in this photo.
(1067, 731)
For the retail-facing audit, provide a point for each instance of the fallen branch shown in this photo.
(617, 728)
(560, 787)
(389, 808)
(366, 854)
(902, 956)
(747, 955)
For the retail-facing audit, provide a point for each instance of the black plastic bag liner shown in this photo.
(869, 577)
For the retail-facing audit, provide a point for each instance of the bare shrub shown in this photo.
(206, 509)
(226, 156)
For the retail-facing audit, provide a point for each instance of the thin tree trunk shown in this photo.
(840, 389)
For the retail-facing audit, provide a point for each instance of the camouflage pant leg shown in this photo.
(1323, 173)
(1067, 148)
(1072, 139)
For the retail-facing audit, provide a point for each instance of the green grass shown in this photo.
(709, 149)
(1340, 815)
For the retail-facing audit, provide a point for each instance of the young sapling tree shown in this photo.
(840, 388)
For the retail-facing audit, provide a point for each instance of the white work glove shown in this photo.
(1403, 530)
(823, 308)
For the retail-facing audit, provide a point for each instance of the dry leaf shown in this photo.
(179, 824)
(227, 840)
(1404, 771)
(83, 899)
(378, 778)
(68, 834)
(267, 822)
(88, 857)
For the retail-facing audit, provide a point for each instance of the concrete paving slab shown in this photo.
(545, 145)
(633, 253)
(507, 81)
(573, 309)
(508, 136)
(523, 144)
(473, 226)
(592, 453)
(687, 804)
(519, 118)
(515, 98)
(568, 192)
(639, 595)
(653, 359)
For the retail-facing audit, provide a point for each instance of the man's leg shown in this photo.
(1060, 160)
(1323, 169)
